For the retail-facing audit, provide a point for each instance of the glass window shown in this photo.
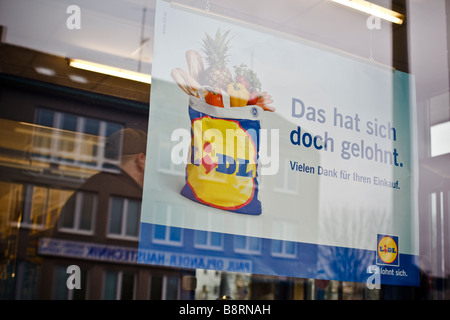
(119, 285)
(123, 217)
(167, 235)
(69, 139)
(156, 287)
(284, 182)
(244, 244)
(164, 231)
(164, 287)
(79, 212)
(110, 286)
(42, 205)
(55, 120)
(165, 162)
(208, 240)
(172, 289)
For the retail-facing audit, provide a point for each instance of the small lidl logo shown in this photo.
(387, 250)
(254, 111)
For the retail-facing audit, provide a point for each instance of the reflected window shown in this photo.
(164, 230)
(282, 248)
(119, 285)
(42, 205)
(156, 287)
(165, 163)
(208, 240)
(171, 286)
(284, 181)
(167, 235)
(439, 136)
(244, 244)
(35, 205)
(164, 287)
(79, 212)
(70, 139)
(124, 217)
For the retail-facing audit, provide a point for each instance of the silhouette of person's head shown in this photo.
(129, 145)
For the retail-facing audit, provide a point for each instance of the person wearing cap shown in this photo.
(128, 145)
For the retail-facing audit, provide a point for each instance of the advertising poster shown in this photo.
(268, 154)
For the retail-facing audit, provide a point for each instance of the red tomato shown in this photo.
(214, 99)
(253, 98)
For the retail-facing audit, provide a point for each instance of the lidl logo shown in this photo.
(387, 250)
(222, 171)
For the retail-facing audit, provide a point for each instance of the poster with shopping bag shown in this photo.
(270, 154)
(222, 171)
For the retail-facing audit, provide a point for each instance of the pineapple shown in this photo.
(217, 75)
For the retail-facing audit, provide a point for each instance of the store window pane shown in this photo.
(124, 217)
(133, 216)
(159, 232)
(55, 121)
(38, 205)
(110, 286)
(168, 216)
(168, 235)
(216, 239)
(67, 138)
(87, 211)
(89, 144)
(56, 200)
(46, 118)
(201, 237)
(127, 292)
(42, 137)
(175, 234)
(156, 287)
(73, 139)
(276, 246)
(79, 212)
(115, 216)
(91, 126)
(67, 216)
(119, 285)
(112, 127)
(68, 122)
(240, 242)
(172, 288)
(60, 288)
(289, 247)
(208, 240)
(254, 243)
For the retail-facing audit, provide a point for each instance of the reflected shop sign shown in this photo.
(121, 254)
(276, 155)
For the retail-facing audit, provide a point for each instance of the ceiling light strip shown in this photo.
(115, 72)
(373, 9)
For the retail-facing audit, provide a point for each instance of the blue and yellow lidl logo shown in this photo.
(387, 250)
(222, 171)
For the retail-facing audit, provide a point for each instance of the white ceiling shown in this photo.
(111, 30)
